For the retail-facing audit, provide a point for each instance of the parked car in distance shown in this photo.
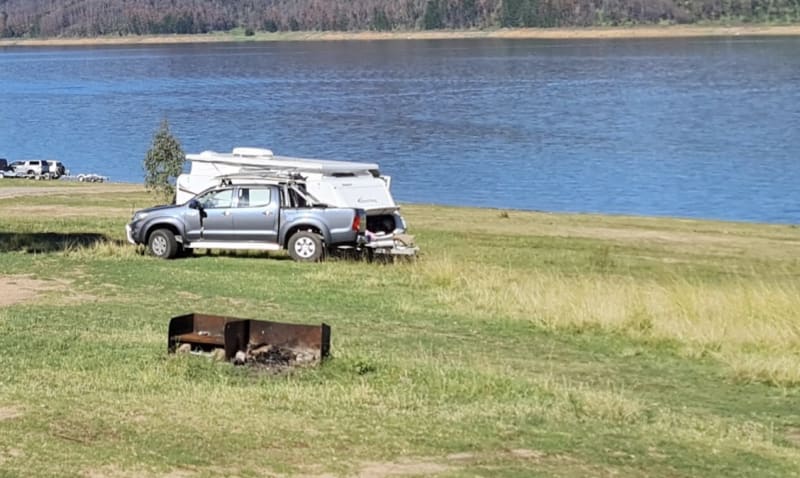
(33, 168)
(251, 216)
(57, 169)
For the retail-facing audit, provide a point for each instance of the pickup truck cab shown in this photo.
(251, 217)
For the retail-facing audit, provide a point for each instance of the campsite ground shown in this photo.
(518, 344)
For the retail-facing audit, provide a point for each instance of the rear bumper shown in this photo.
(394, 244)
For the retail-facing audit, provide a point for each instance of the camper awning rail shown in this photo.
(321, 166)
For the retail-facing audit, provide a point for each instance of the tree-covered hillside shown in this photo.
(20, 18)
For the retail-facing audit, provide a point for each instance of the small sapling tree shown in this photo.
(163, 163)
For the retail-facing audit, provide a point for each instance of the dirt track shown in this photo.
(17, 289)
(19, 191)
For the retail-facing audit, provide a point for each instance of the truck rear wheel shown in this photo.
(305, 246)
(162, 244)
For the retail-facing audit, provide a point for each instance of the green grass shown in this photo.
(518, 344)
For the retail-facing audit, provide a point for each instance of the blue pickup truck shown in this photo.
(249, 216)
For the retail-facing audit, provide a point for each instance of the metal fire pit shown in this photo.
(250, 341)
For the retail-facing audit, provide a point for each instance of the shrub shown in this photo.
(163, 163)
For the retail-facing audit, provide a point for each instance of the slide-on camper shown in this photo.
(336, 183)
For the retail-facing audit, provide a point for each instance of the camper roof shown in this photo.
(263, 158)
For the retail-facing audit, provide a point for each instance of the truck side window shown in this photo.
(253, 197)
(217, 199)
(297, 200)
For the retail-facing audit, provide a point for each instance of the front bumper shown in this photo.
(129, 234)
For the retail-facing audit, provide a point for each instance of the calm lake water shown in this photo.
(704, 128)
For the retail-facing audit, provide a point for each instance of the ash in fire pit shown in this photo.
(275, 356)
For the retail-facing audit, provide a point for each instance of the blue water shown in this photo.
(705, 128)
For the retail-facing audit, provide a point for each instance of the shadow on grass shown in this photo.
(40, 242)
(344, 255)
(233, 254)
(44, 242)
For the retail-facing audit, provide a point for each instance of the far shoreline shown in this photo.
(588, 33)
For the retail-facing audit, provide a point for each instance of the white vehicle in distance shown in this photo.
(33, 168)
(57, 169)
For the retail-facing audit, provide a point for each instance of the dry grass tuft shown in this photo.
(730, 316)
(579, 401)
(102, 249)
(778, 368)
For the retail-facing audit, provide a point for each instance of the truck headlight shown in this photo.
(140, 215)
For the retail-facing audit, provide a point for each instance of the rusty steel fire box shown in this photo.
(248, 341)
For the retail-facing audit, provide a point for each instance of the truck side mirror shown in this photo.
(195, 204)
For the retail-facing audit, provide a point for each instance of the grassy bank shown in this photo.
(519, 344)
(589, 33)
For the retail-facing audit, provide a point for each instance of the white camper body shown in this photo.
(337, 183)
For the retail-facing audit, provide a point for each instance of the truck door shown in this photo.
(218, 222)
(255, 217)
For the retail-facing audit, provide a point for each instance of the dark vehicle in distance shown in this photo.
(6, 171)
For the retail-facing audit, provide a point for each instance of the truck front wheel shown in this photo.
(305, 246)
(162, 244)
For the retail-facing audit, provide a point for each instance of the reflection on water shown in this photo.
(701, 128)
